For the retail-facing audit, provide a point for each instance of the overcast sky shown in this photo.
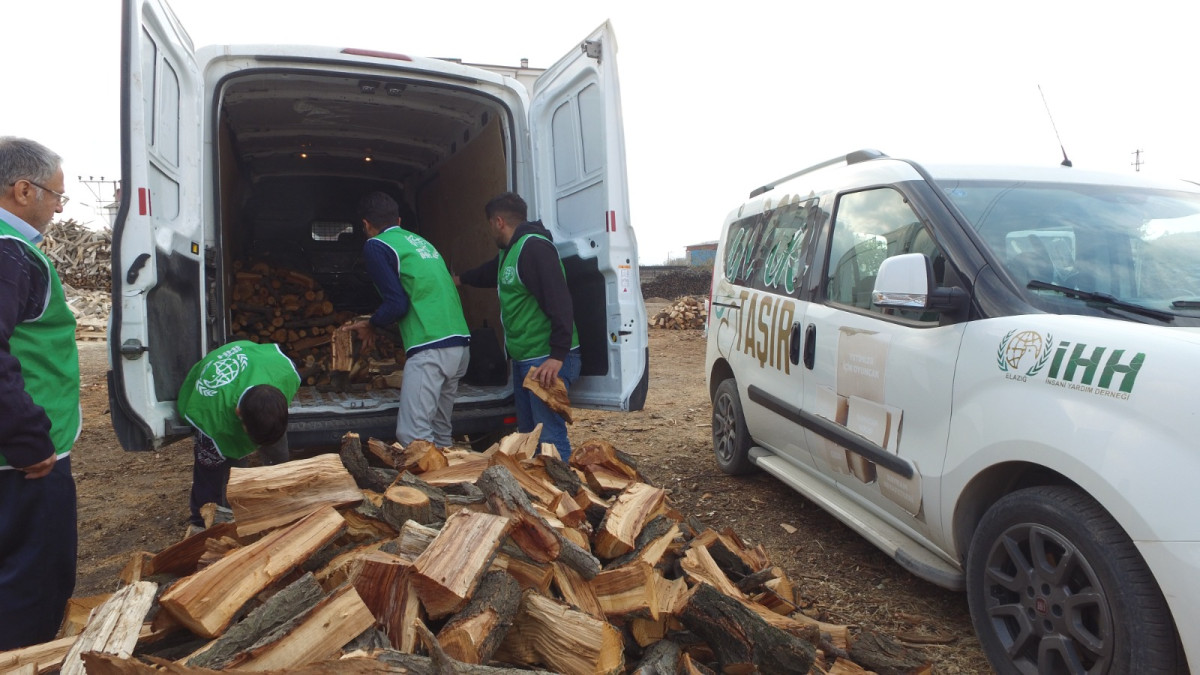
(716, 100)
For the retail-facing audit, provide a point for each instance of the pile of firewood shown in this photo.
(687, 313)
(81, 256)
(438, 561)
(91, 309)
(289, 308)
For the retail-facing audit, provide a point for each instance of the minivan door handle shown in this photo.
(810, 346)
(794, 344)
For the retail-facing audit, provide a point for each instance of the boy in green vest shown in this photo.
(237, 400)
(536, 310)
(39, 400)
(418, 295)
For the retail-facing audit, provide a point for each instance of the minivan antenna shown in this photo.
(1065, 162)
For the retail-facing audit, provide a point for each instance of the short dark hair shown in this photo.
(509, 204)
(264, 411)
(379, 209)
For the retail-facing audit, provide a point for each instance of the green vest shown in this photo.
(526, 326)
(434, 308)
(209, 397)
(45, 348)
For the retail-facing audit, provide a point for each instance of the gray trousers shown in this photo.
(427, 394)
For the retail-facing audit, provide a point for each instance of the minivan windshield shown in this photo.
(1078, 248)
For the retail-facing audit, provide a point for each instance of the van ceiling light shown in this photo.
(394, 88)
(367, 158)
(304, 155)
(368, 86)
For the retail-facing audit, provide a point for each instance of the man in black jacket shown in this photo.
(536, 310)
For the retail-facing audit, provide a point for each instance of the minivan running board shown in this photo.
(911, 556)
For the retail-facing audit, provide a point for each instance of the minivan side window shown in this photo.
(869, 227)
(767, 251)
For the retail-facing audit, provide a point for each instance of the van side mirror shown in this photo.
(906, 282)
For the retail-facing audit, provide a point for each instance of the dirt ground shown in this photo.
(132, 502)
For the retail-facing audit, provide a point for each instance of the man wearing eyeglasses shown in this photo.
(39, 400)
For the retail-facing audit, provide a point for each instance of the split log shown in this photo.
(577, 591)
(114, 627)
(462, 472)
(699, 566)
(529, 574)
(474, 634)
(597, 452)
(650, 544)
(414, 539)
(566, 640)
(740, 638)
(266, 497)
(385, 585)
(78, 611)
(753, 582)
(561, 474)
(662, 658)
(886, 656)
(315, 636)
(43, 658)
(182, 558)
(633, 509)
(365, 476)
(521, 445)
(207, 601)
(628, 592)
(531, 532)
(343, 350)
(296, 598)
(545, 494)
(447, 572)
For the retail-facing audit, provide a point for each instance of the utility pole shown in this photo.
(105, 194)
(1137, 160)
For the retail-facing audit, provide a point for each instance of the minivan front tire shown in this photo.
(731, 439)
(1054, 584)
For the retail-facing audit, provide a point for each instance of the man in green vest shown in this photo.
(536, 310)
(237, 399)
(418, 295)
(40, 417)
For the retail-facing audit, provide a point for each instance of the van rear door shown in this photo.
(158, 240)
(581, 195)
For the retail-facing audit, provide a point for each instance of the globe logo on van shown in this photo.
(221, 372)
(1028, 350)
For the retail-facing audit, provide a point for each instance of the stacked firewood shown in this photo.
(280, 305)
(91, 310)
(687, 313)
(82, 256)
(427, 560)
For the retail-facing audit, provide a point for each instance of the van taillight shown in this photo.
(378, 55)
(511, 419)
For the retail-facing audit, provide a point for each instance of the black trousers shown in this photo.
(38, 543)
(210, 471)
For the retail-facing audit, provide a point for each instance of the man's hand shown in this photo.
(40, 469)
(546, 372)
(365, 332)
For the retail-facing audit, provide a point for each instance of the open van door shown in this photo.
(581, 195)
(155, 334)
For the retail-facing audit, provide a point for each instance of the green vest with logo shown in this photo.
(210, 394)
(45, 348)
(526, 326)
(434, 309)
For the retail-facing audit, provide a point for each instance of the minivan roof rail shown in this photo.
(852, 158)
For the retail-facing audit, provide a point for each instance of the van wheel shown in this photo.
(731, 439)
(1056, 586)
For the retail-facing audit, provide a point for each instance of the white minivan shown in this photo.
(233, 155)
(990, 373)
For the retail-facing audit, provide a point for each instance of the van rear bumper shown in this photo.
(322, 431)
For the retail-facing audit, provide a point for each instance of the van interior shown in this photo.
(295, 152)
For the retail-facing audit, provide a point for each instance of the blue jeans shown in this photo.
(531, 410)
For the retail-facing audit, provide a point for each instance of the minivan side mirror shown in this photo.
(906, 282)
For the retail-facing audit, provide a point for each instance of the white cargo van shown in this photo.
(990, 373)
(238, 154)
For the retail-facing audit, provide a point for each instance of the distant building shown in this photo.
(702, 255)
